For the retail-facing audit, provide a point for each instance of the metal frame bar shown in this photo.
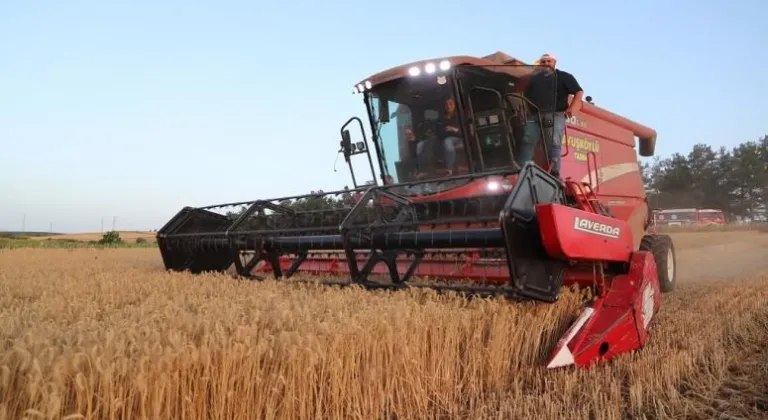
(385, 236)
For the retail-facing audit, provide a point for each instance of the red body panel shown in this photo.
(616, 322)
(483, 270)
(570, 233)
(603, 155)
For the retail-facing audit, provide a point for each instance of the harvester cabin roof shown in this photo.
(497, 58)
(646, 135)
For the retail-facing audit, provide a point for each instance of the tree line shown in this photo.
(735, 180)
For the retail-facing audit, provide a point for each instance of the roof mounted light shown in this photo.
(429, 68)
(414, 71)
(362, 87)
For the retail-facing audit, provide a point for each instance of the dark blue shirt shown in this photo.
(549, 90)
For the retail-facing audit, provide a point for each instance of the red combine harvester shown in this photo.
(458, 208)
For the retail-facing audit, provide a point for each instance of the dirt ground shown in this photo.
(708, 256)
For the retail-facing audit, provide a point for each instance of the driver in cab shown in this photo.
(448, 131)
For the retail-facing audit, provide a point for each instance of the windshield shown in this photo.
(418, 129)
(421, 139)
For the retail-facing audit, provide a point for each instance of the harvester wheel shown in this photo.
(663, 251)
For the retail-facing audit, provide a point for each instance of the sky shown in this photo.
(127, 111)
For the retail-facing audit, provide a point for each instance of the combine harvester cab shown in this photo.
(454, 205)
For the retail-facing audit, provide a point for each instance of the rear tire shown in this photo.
(663, 251)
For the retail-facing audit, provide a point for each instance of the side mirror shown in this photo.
(346, 144)
(383, 110)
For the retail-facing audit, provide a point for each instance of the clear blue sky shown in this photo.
(136, 108)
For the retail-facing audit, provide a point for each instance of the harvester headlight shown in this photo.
(368, 84)
(430, 68)
(445, 65)
(360, 88)
(414, 71)
(493, 185)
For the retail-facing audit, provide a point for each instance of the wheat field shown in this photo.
(108, 334)
(126, 235)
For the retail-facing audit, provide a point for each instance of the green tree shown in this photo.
(111, 238)
(749, 176)
(733, 180)
(671, 179)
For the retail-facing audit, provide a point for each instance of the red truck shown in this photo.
(689, 217)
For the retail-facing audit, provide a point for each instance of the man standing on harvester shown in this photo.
(539, 92)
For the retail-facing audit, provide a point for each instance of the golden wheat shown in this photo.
(108, 334)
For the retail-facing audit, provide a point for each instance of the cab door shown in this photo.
(485, 112)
